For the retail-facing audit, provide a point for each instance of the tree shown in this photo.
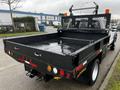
(13, 4)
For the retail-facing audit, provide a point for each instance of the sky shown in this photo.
(62, 6)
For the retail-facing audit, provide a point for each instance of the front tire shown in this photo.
(112, 47)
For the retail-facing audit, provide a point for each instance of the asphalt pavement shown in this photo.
(12, 75)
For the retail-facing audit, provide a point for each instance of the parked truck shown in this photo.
(76, 50)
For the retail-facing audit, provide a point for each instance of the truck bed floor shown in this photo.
(60, 45)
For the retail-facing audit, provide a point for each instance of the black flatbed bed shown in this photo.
(58, 49)
(61, 45)
(69, 49)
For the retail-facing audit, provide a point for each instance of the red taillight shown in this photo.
(62, 73)
(80, 67)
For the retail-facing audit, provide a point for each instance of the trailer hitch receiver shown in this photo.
(32, 73)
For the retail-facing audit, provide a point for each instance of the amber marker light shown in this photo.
(49, 68)
(107, 11)
(65, 14)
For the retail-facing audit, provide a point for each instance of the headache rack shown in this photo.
(95, 11)
(89, 18)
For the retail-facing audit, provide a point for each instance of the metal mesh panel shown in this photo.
(87, 21)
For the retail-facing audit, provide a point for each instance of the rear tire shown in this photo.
(92, 72)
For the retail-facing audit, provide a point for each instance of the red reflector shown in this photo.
(21, 59)
(62, 73)
(33, 65)
(80, 67)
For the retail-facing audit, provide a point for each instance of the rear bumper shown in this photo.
(43, 72)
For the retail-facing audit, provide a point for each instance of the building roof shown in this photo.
(23, 12)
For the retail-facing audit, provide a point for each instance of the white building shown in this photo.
(40, 17)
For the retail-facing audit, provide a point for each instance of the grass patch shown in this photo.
(114, 82)
(19, 34)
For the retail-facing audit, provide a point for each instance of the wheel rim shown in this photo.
(95, 72)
